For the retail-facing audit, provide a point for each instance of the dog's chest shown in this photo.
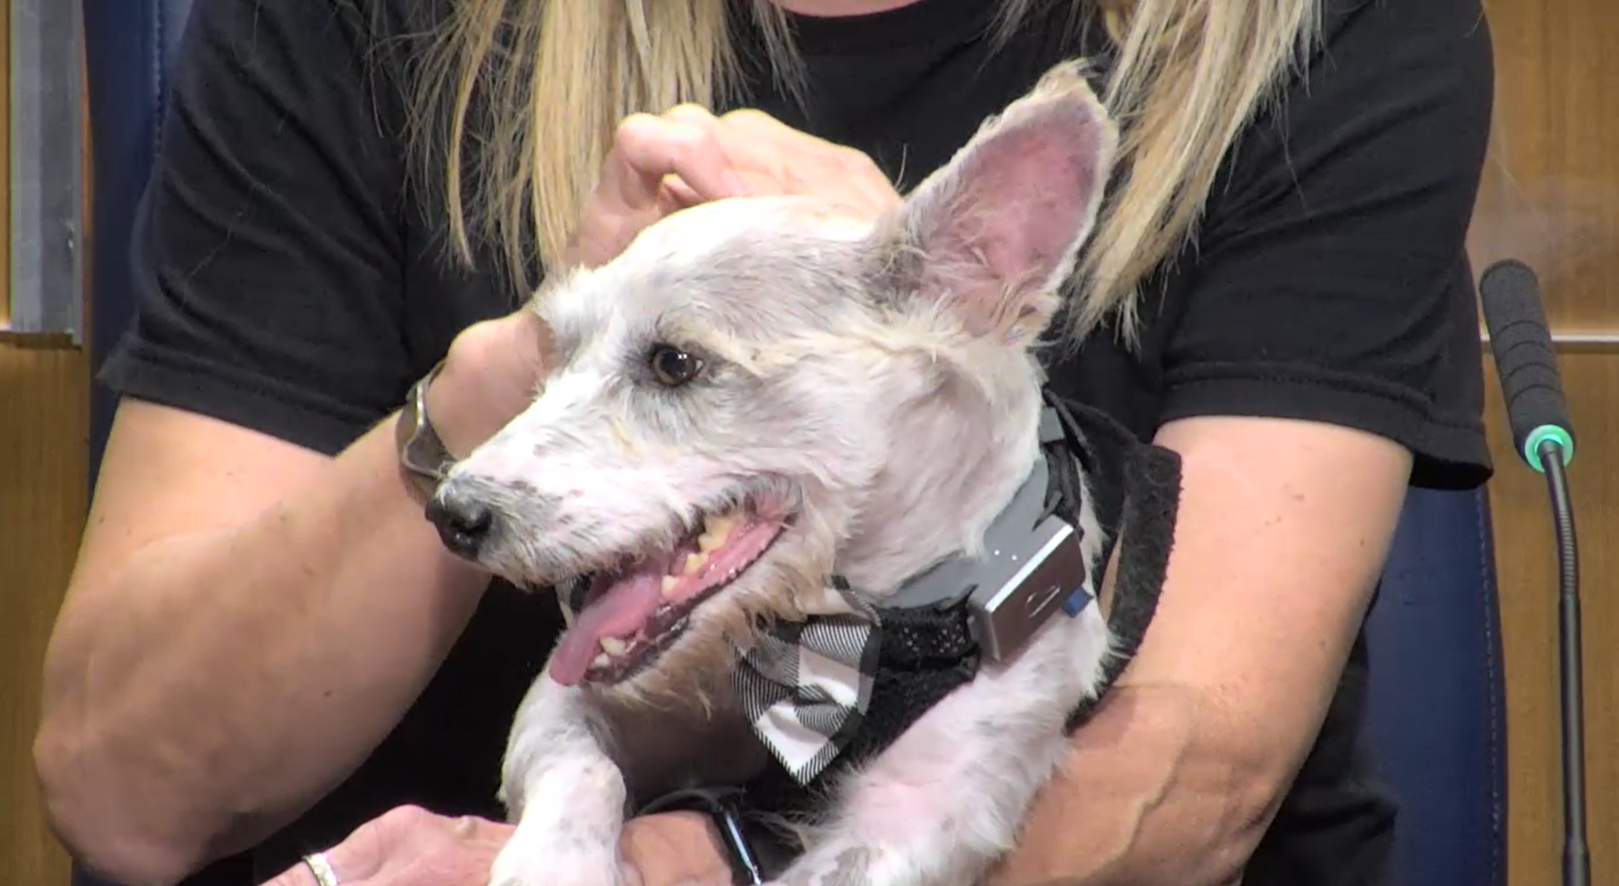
(660, 750)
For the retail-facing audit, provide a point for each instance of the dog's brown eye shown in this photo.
(672, 366)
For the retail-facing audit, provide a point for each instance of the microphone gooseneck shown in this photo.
(1576, 854)
(1544, 437)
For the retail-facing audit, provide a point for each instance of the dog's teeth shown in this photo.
(669, 583)
(717, 530)
(694, 562)
(614, 646)
(601, 661)
(719, 524)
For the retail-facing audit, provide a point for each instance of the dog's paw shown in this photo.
(555, 862)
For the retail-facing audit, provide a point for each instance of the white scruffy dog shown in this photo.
(758, 394)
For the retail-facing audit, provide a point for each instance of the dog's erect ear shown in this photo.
(993, 233)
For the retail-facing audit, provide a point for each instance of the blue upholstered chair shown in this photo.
(1438, 709)
(1437, 723)
(128, 44)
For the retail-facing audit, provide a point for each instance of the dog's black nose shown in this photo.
(463, 525)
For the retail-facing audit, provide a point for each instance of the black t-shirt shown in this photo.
(291, 281)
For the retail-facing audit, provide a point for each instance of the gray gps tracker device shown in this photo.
(1023, 577)
(1051, 568)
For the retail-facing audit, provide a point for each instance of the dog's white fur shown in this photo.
(880, 378)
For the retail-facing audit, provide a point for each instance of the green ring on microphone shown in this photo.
(1531, 445)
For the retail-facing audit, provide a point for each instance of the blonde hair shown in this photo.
(516, 103)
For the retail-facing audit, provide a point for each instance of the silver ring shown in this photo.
(321, 868)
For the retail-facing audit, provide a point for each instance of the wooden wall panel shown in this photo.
(1551, 192)
(43, 490)
(1551, 198)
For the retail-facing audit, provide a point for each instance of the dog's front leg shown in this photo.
(946, 800)
(564, 792)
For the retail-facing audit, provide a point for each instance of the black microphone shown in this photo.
(1544, 437)
(1525, 361)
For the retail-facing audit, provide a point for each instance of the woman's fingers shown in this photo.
(675, 194)
(801, 163)
(681, 145)
(410, 846)
(660, 164)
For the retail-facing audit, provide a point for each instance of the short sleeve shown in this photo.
(1331, 280)
(266, 250)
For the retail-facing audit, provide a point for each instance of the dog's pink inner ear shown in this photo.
(1000, 226)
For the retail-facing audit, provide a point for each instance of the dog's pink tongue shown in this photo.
(618, 612)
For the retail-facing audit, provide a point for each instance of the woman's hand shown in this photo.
(659, 164)
(410, 846)
(489, 376)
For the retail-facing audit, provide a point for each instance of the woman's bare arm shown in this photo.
(247, 620)
(1283, 530)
